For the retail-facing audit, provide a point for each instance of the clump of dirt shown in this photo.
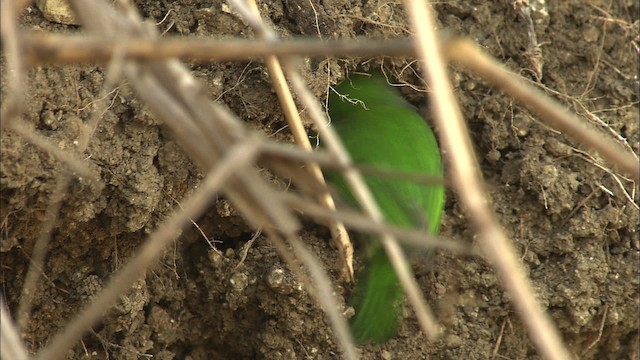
(568, 213)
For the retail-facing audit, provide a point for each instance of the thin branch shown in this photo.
(11, 46)
(362, 223)
(63, 49)
(40, 248)
(326, 297)
(555, 115)
(339, 233)
(325, 159)
(323, 284)
(11, 347)
(469, 186)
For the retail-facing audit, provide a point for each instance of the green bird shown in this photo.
(381, 129)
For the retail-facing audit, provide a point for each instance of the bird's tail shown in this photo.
(377, 299)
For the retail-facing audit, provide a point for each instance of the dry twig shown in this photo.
(66, 49)
(10, 345)
(469, 186)
(339, 233)
(555, 115)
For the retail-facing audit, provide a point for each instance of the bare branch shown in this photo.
(63, 49)
(469, 186)
(555, 115)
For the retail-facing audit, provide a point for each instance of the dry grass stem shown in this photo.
(326, 297)
(40, 248)
(71, 49)
(363, 224)
(323, 158)
(342, 333)
(11, 346)
(469, 186)
(11, 44)
(534, 51)
(339, 233)
(551, 112)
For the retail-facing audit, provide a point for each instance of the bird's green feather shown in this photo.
(379, 128)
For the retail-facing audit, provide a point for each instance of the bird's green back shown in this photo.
(380, 129)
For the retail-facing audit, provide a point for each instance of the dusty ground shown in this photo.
(578, 241)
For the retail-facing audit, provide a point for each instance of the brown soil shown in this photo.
(569, 218)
